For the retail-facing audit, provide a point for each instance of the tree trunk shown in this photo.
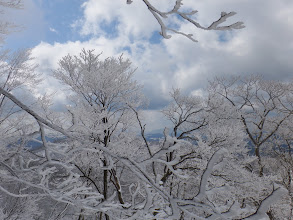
(105, 192)
(257, 153)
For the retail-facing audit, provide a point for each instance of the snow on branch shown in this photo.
(216, 25)
(32, 113)
(147, 197)
(7, 27)
(207, 173)
(266, 203)
(11, 3)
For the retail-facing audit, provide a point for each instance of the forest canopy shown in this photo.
(225, 152)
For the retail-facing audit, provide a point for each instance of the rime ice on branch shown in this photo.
(216, 25)
(5, 26)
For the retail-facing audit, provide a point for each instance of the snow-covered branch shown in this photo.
(216, 25)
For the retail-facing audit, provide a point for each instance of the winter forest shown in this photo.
(223, 153)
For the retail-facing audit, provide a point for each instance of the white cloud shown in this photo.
(264, 46)
(53, 30)
(99, 14)
(155, 121)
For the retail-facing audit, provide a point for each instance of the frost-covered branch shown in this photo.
(207, 173)
(265, 204)
(216, 25)
(11, 3)
(5, 26)
(32, 113)
(99, 167)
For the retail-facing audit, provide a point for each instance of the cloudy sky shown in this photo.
(54, 28)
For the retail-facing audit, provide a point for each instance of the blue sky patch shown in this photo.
(59, 17)
(47, 20)
(110, 29)
(156, 38)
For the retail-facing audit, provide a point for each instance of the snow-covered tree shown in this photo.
(210, 125)
(280, 162)
(103, 96)
(98, 167)
(6, 26)
(17, 73)
(263, 107)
